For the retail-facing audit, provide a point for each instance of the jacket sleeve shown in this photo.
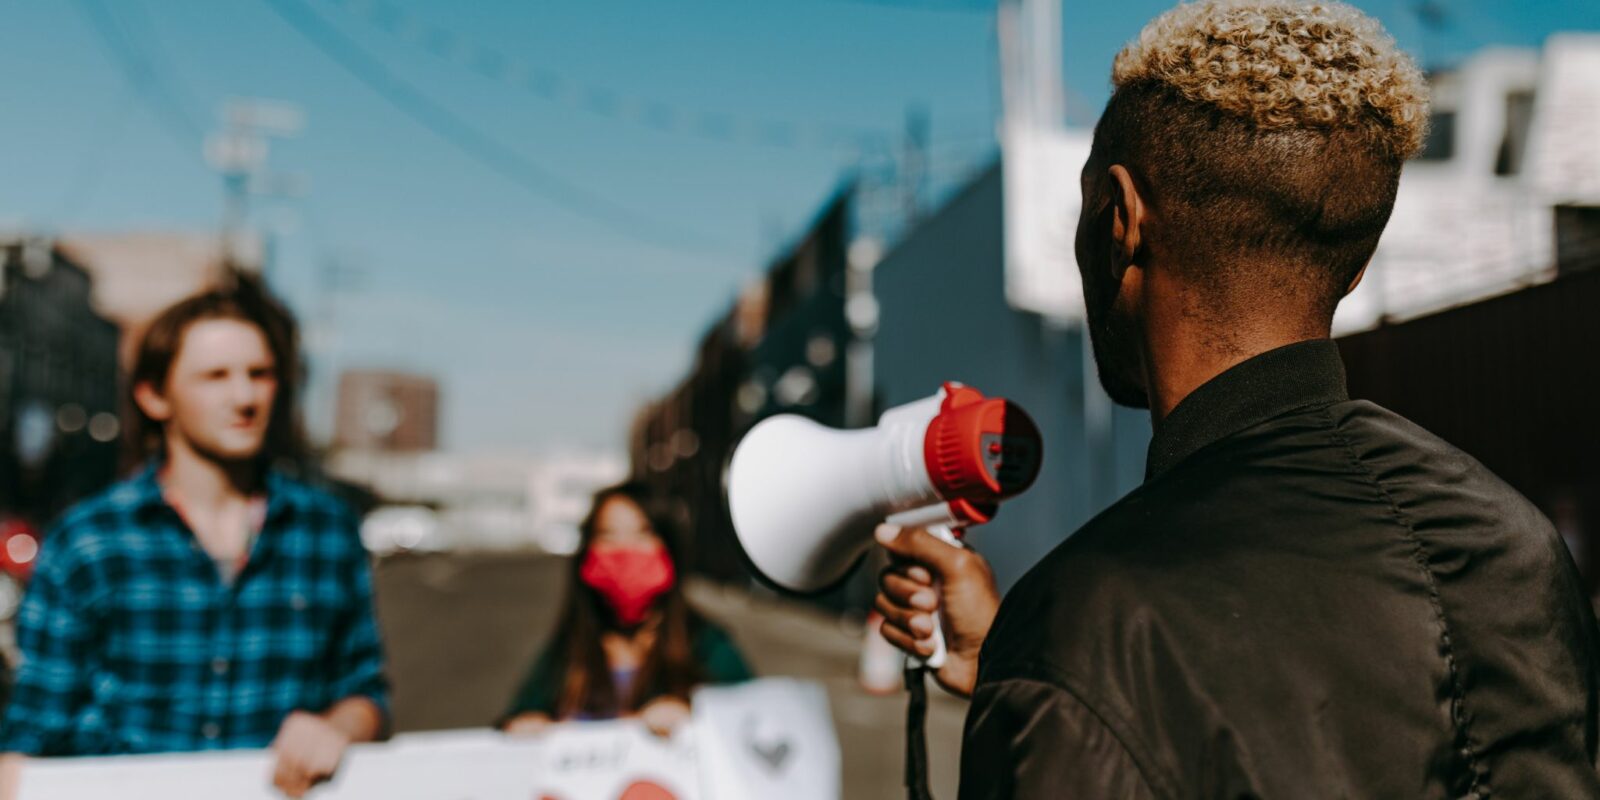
(1029, 739)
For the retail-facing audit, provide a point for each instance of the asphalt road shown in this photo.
(462, 628)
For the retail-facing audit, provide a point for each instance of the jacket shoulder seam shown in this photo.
(1420, 556)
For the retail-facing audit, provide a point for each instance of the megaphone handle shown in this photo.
(947, 534)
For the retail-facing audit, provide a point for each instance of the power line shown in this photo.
(599, 100)
(139, 29)
(423, 110)
(968, 6)
(143, 75)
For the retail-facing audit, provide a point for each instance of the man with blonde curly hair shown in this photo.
(1309, 596)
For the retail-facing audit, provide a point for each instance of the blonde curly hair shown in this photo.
(1282, 64)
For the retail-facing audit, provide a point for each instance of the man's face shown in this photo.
(220, 390)
(1114, 329)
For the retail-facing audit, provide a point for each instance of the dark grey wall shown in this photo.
(55, 350)
(944, 317)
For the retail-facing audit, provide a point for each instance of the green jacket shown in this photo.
(719, 659)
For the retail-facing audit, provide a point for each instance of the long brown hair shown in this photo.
(669, 669)
(243, 298)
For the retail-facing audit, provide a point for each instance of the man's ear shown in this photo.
(151, 402)
(1356, 281)
(1128, 217)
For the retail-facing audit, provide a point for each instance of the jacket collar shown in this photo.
(1296, 376)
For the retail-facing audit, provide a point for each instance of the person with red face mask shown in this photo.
(628, 644)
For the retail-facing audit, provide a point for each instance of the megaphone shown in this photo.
(805, 498)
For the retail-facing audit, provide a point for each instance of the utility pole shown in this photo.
(1032, 132)
(1032, 87)
(914, 163)
(239, 153)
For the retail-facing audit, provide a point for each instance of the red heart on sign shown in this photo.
(646, 790)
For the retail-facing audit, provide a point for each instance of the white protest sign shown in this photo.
(771, 739)
(601, 760)
(768, 740)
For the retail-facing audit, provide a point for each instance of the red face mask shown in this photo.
(629, 578)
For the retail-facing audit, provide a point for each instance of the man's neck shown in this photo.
(204, 482)
(1184, 351)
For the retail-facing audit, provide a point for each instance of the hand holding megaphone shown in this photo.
(936, 595)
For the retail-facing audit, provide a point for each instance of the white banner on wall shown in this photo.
(1563, 163)
(1041, 168)
(770, 739)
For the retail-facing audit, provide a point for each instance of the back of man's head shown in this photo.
(1269, 136)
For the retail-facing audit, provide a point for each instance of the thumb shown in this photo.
(915, 544)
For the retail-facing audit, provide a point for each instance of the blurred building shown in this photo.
(58, 382)
(800, 363)
(138, 274)
(481, 501)
(1506, 193)
(386, 411)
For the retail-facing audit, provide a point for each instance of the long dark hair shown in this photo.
(243, 297)
(669, 669)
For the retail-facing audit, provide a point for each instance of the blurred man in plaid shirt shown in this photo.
(211, 601)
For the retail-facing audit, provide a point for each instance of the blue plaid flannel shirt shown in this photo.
(132, 643)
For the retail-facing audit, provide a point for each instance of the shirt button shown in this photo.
(219, 666)
(211, 730)
(299, 602)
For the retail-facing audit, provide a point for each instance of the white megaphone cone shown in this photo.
(805, 498)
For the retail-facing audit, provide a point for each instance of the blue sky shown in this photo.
(546, 326)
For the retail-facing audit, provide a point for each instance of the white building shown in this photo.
(450, 501)
(1512, 166)
(1510, 177)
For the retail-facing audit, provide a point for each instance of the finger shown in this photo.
(921, 648)
(907, 570)
(322, 776)
(288, 784)
(913, 622)
(915, 544)
(321, 768)
(908, 593)
(289, 777)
